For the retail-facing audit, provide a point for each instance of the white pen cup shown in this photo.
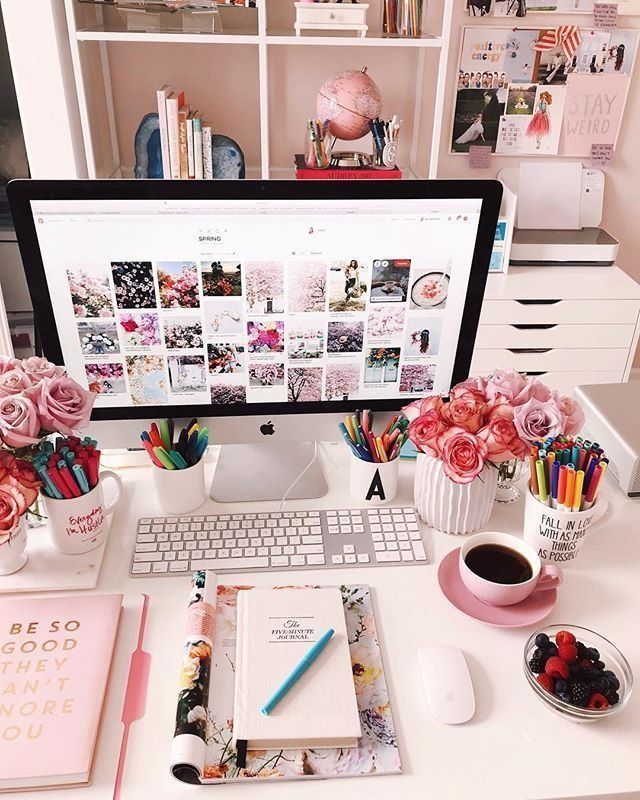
(557, 535)
(373, 484)
(180, 491)
(79, 524)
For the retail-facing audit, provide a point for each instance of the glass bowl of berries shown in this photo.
(577, 673)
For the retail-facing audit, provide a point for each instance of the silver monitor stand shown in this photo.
(264, 471)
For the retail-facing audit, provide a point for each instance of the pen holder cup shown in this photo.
(384, 158)
(555, 535)
(317, 152)
(180, 491)
(373, 484)
(79, 524)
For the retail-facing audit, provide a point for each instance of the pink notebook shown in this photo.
(55, 656)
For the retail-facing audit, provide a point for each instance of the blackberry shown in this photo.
(537, 662)
(614, 683)
(601, 685)
(588, 675)
(612, 697)
(582, 650)
(580, 694)
(593, 654)
(542, 640)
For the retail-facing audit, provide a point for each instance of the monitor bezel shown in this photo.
(22, 192)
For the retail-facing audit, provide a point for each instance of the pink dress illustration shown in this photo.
(540, 125)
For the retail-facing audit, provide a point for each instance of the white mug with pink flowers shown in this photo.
(465, 437)
(37, 398)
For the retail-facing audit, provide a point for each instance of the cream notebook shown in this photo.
(276, 627)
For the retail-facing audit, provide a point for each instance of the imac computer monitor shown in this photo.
(269, 307)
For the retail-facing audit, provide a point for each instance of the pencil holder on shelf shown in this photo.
(373, 484)
(317, 149)
(180, 491)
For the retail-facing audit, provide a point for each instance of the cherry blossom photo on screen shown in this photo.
(226, 393)
(307, 286)
(264, 287)
(417, 378)
(304, 384)
(341, 381)
(345, 337)
(90, 290)
(266, 374)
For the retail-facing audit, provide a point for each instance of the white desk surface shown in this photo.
(514, 748)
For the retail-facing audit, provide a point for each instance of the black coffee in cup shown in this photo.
(498, 564)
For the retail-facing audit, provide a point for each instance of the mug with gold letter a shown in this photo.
(373, 484)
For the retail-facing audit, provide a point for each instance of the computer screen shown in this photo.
(241, 303)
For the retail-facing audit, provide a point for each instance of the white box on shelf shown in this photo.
(331, 16)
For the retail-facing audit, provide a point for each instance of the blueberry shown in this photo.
(582, 650)
(593, 654)
(601, 685)
(598, 665)
(561, 686)
(542, 640)
(551, 649)
(564, 696)
(612, 698)
(614, 683)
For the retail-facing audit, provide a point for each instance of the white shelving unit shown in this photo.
(94, 47)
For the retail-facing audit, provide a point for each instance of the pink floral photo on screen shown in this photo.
(304, 384)
(266, 337)
(307, 286)
(266, 374)
(90, 290)
(106, 378)
(417, 378)
(342, 381)
(264, 287)
(140, 329)
(178, 283)
(225, 393)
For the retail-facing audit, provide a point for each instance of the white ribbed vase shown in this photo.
(453, 507)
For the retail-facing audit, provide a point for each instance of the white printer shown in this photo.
(612, 418)
(559, 215)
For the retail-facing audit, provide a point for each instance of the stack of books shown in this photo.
(184, 136)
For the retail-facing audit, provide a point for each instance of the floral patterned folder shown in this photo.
(377, 752)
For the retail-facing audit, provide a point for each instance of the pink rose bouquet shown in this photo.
(489, 420)
(37, 398)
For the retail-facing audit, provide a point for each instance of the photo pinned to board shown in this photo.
(521, 99)
(538, 134)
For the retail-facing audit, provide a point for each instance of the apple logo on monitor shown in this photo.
(267, 429)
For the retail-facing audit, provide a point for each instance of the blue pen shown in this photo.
(69, 457)
(345, 435)
(307, 660)
(81, 478)
(566, 456)
(52, 489)
(201, 446)
(177, 459)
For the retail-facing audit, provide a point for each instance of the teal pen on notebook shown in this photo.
(307, 660)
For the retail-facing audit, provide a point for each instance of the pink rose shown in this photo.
(500, 407)
(12, 506)
(62, 404)
(19, 421)
(80, 311)
(105, 312)
(22, 475)
(39, 368)
(14, 381)
(7, 363)
(534, 390)
(538, 420)
(472, 386)
(464, 411)
(417, 407)
(502, 440)
(572, 413)
(508, 383)
(425, 430)
(463, 454)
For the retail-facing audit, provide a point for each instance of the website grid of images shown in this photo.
(219, 332)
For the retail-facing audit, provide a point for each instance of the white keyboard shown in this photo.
(278, 541)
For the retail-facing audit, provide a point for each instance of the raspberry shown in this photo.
(580, 694)
(546, 681)
(598, 702)
(565, 637)
(567, 652)
(556, 668)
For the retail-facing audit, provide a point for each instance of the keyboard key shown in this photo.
(313, 561)
(415, 536)
(191, 546)
(334, 529)
(256, 542)
(223, 553)
(279, 561)
(204, 545)
(348, 548)
(146, 548)
(379, 546)
(164, 546)
(363, 558)
(201, 535)
(298, 561)
(387, 556)
(236, 552)
(315, 530)
(196, 526)
(157, 528)
(139, 558)
(412, 526)
(162, 537)
(188, 536)
(407, 555)
(350, 559)
(305, 549)
(182, 527)
(392, 545)
(376, 529)
(250, 552)
(405, 546)
(390, 536)
(276, 551)
(312, 540)
(146, 537)
(268, 541)
(377, 537)
(337, 559)
(289, 550)
(295, 540)
(161, 566)
(227, 534)
(177, 546)
(170, 556)
(281, 540)
(140, 569)
(418, 550)
(242, 543)
(345, 529)
(145, 521)
(358, 528)
(244, 564)
(184, 555)
(263, 551)
(179, 566)
(403, 536)
(210, 554)
(170, 528)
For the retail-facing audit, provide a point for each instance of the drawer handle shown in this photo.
(534, 327)
(535, 374)
(541, 302)
(529, 349)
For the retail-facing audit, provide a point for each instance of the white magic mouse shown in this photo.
(447, 683)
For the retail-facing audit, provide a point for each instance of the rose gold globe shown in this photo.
(347, 101)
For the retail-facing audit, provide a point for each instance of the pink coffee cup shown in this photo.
(507, 594)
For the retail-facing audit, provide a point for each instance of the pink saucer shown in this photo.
(528, 612)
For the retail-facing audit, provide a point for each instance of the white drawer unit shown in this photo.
(567, 325)
(331, 16)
